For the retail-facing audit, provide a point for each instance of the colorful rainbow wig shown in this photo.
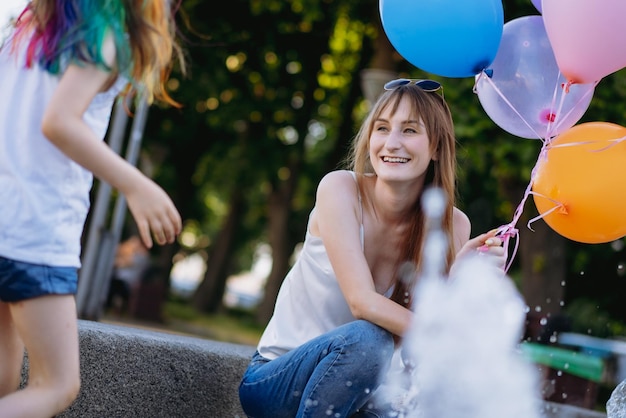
(59, 32)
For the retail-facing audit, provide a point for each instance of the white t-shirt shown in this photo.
(44, 195)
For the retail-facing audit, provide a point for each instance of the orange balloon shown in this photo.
(584, 172)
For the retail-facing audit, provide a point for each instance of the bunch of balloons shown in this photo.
(535, 77)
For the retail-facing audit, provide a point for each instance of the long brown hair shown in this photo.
(434, 111)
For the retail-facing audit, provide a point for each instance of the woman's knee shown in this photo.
(372, 336)
(373, 345)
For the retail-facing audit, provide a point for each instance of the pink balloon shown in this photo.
(587, 37)
(537, 4)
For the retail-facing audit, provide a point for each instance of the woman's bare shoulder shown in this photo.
(336, 194)
(336, 179)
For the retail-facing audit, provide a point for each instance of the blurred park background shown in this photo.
(274, 95)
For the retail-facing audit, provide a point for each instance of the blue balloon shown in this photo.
(450, 38)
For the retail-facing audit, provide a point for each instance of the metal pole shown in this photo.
(98, 216)
(101, 276)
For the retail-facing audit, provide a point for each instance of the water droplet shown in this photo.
(563, 283)
(617, 245)
(537, 308)
(582, 273)
(348, 383)
(543, 321)
(559, 373)
(621, 270)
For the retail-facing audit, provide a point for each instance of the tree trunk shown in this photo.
(279, 210)
(209, 294)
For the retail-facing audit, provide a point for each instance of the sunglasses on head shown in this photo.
(428, 86)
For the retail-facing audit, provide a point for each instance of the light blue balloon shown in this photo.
(524, 95)
(450, 38)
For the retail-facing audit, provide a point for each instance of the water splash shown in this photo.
(461, 353)
(616, 406)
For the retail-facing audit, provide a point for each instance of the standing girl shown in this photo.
(344, 304)
(61, 69)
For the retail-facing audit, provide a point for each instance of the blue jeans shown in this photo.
(332, 375)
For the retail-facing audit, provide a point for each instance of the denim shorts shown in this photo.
(20, 281)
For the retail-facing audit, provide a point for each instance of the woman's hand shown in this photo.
(487, 245)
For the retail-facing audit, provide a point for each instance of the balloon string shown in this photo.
(565, 87)
(509, 230)
(558, 119)
(592, 141)
(557, 206)
(552, 122)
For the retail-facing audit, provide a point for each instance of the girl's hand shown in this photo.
(154, 212)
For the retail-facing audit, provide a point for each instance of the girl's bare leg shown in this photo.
(11, 353)
(47, 325)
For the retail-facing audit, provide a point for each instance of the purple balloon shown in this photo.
(524, 96)
(537, 4)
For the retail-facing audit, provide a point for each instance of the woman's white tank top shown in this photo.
(309, 303)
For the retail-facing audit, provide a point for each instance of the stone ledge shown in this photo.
(131, 372)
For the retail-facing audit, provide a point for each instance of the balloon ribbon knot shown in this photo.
(566, 86)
